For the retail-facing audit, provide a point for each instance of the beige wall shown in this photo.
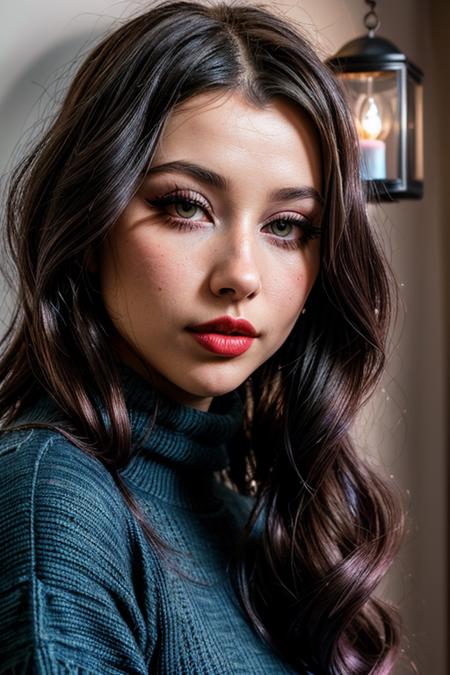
(409, 436)
(404, 429)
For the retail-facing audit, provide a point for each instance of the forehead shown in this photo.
(234, 136)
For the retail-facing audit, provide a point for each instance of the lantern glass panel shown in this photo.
(415, 129)
(374, 99)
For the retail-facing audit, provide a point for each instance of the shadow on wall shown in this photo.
(29, 105)
(27, 108)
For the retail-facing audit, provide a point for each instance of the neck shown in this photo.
(156, 380)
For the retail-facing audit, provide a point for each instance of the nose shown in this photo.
(236, 270)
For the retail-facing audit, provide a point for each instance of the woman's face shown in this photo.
(223, 228)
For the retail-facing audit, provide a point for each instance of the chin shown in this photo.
(212, 391)
(215, 384)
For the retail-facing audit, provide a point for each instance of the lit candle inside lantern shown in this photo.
(373, 149)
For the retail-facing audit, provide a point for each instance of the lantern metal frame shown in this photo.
(370, 53)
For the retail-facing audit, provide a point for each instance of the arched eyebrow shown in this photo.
(209, 177)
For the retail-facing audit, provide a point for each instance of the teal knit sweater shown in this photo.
(82, 591)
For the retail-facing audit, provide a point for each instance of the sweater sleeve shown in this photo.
(67, 581)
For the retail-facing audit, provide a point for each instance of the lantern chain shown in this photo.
(371, 19)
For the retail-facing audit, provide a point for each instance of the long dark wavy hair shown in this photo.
(331, 526)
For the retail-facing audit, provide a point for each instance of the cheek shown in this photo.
(145, 275)
(153, 280)
(288, 295)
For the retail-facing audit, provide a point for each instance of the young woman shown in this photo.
(201, 311)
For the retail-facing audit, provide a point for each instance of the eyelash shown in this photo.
(309, 230)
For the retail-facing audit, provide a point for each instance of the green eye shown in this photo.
(186, 209)
(281, 228)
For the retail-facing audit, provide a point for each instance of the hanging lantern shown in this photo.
(385, 93)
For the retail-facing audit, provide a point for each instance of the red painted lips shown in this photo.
(225, 335)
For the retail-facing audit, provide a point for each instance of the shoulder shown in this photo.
(66, 543)
(240, 506)
(41, 465)
(236, 500)
(52, 495)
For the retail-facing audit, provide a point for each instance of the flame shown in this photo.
(370, 120)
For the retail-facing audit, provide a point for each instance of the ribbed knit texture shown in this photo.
(82, 592)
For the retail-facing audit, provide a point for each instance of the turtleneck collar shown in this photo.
(176, 448)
